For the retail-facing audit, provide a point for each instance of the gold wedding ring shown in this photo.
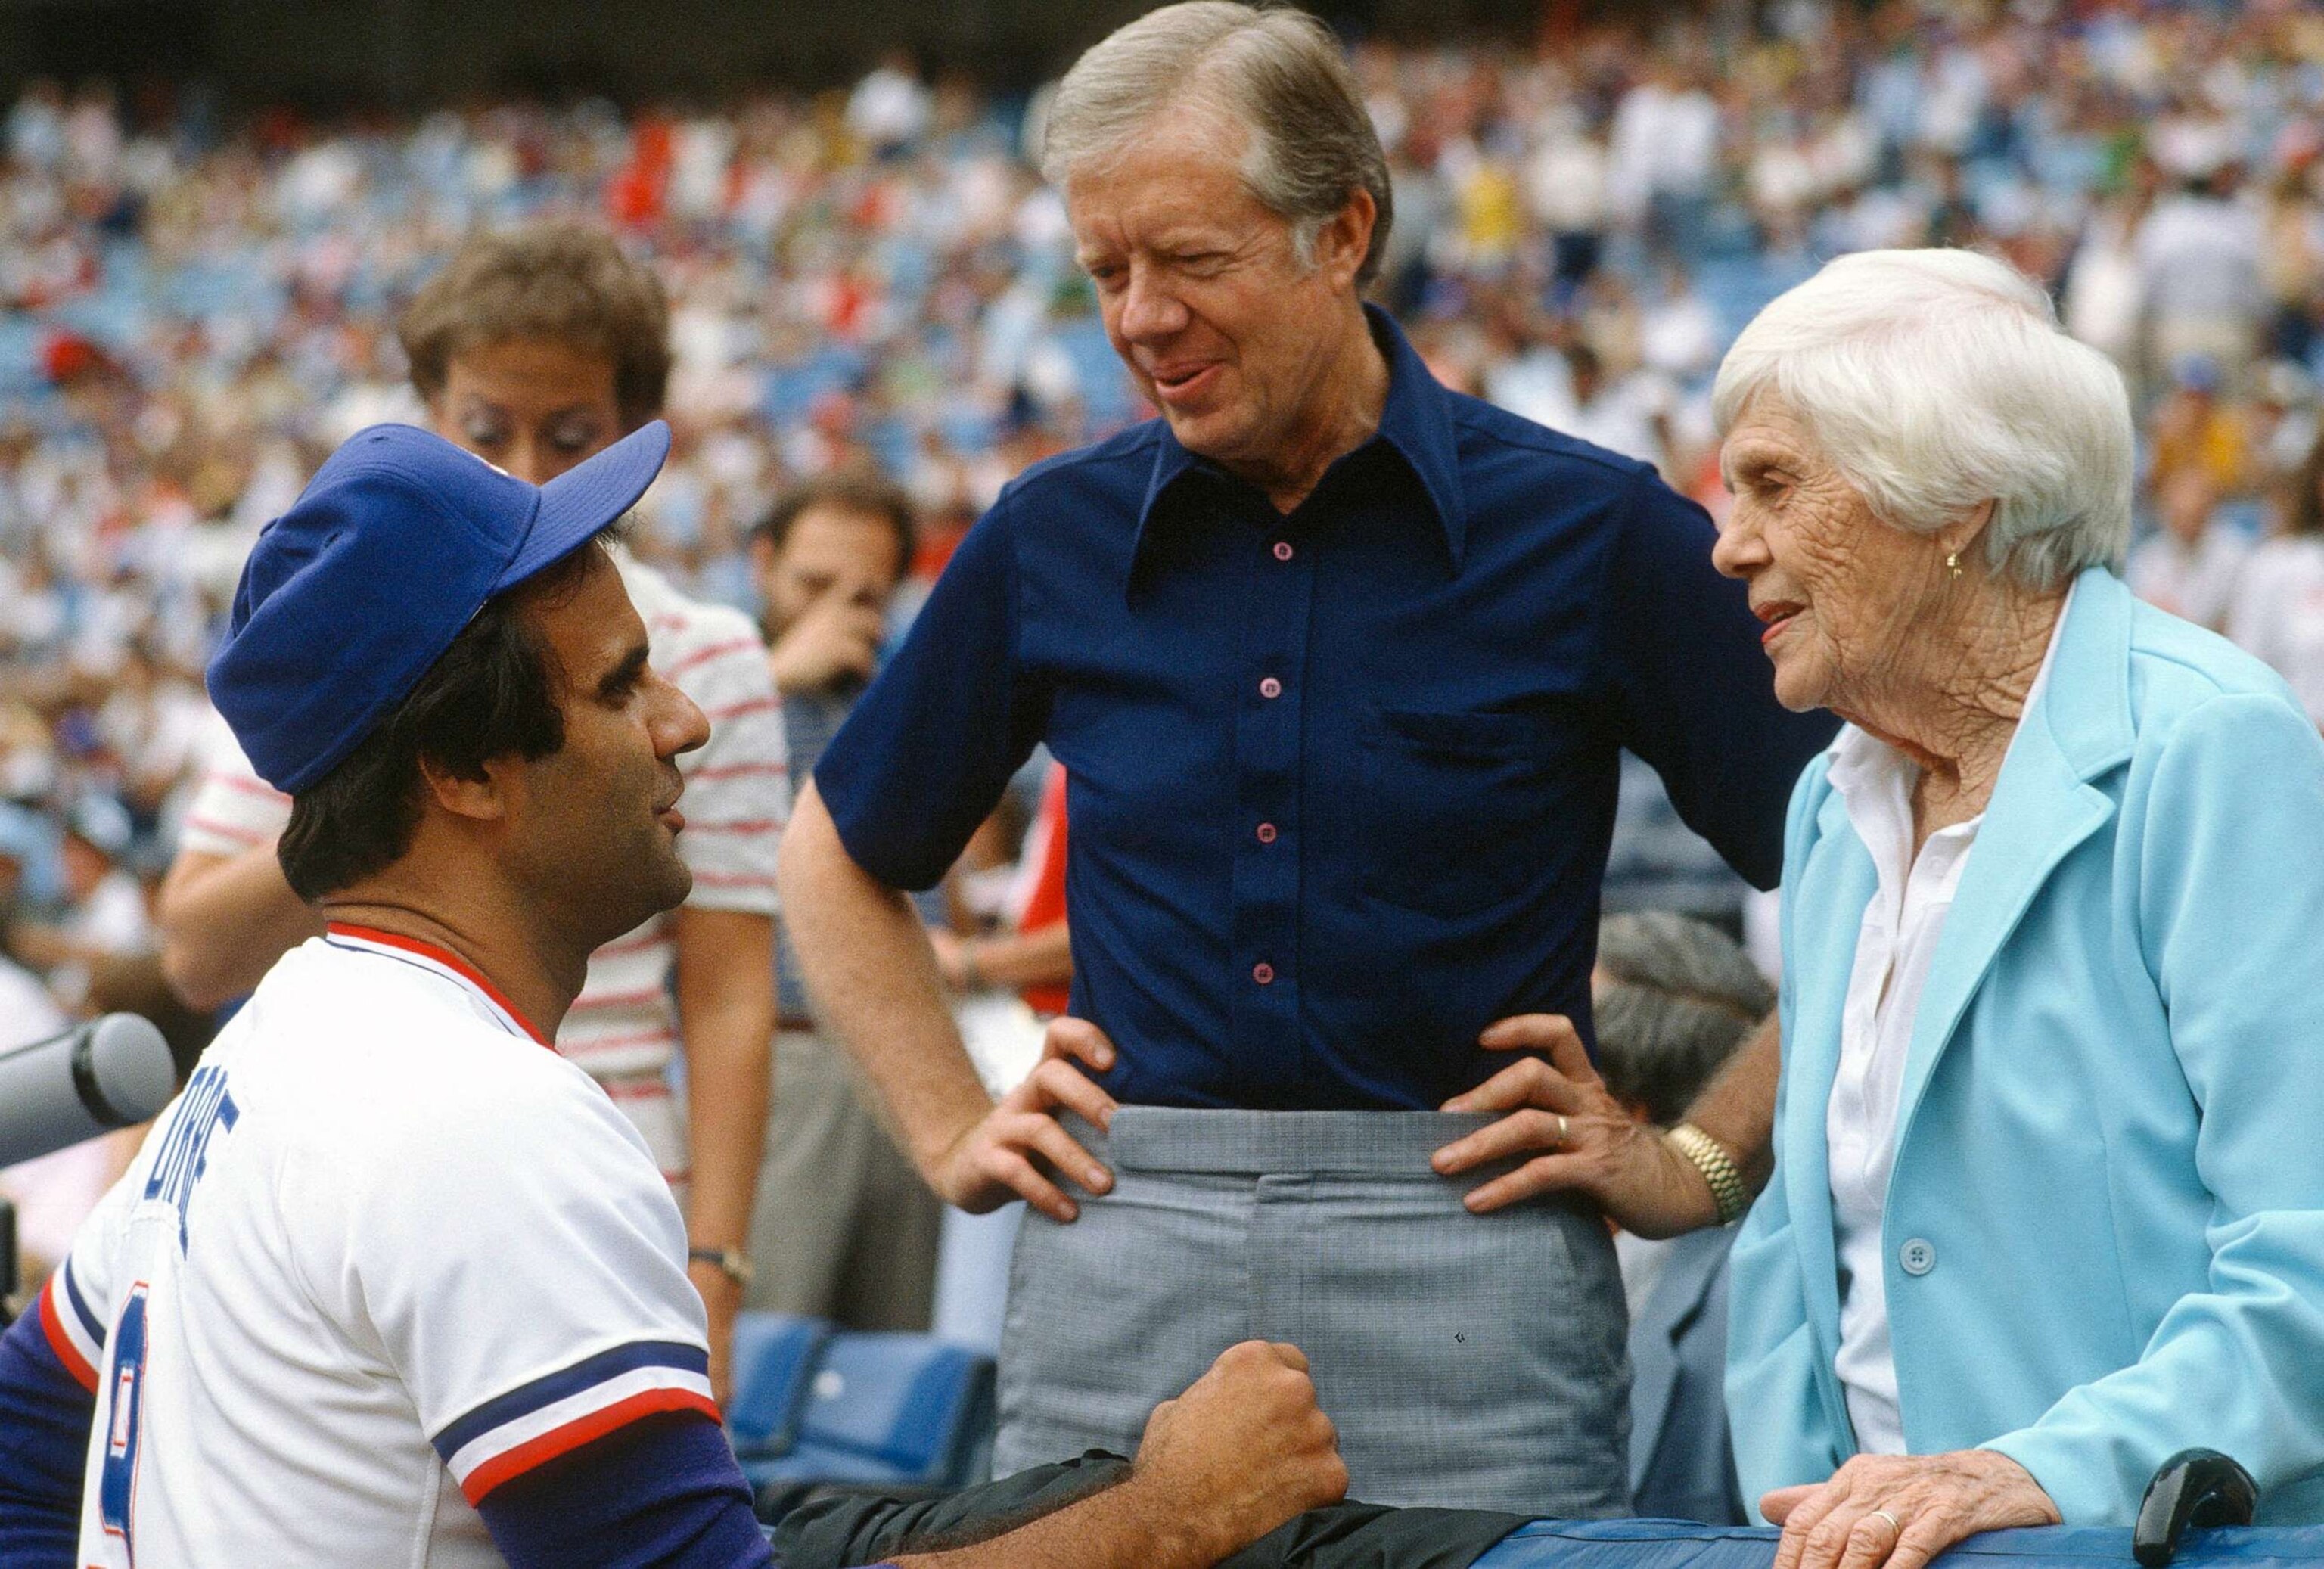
(1895, 1526)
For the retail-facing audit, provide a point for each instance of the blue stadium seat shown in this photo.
(903, 1410)
(775, 1357)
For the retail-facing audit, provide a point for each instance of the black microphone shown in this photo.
(106, 1073)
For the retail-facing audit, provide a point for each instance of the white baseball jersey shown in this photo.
(624, 1028)
(385, 1253)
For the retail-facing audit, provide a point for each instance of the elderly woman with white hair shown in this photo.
(2049, 1196)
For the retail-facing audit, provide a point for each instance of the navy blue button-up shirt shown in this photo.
(1341, 781)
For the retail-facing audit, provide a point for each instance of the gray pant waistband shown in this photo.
(1170, 1139)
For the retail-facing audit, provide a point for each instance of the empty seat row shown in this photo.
(813, 1404)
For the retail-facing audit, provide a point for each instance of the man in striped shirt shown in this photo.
(535, 349)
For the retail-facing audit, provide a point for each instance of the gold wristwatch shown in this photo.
(1709, 1156)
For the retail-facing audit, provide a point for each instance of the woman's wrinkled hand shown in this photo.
(1571, 1135)
(1901, 1510)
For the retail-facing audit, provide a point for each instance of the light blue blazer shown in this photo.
(2105, 1231)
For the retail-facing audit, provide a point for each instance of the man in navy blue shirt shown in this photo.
(1339, 664)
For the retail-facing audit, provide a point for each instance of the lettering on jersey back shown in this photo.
(202, 1109)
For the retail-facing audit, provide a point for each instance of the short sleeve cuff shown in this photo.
(73, 1331)
(533, 1424)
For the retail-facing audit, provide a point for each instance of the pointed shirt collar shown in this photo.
(2087, 706)
(1416, 424)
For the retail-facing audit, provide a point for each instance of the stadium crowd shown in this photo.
(192, 312)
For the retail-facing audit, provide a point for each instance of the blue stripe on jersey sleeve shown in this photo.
(661, 1492)
(44, 1417)
(582, 1375)
(89, 1320)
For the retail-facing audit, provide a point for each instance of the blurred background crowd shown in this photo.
(196, 304)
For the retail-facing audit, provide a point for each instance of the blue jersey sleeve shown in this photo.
(664, 1491)
(44, 1417)
(1696, 692)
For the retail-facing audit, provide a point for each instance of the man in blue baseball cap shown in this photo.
(536, 347)
(392, 1282)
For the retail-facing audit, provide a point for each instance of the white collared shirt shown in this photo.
(1893, 949)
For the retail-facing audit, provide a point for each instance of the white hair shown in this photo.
(1275, 72)
(1938, 379)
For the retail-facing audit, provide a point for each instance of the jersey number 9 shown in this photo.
(117, 1484)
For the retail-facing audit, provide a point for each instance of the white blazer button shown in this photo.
(1918, 1257)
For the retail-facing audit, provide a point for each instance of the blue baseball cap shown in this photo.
(391, 548)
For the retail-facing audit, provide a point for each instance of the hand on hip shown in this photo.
(1019, 1145)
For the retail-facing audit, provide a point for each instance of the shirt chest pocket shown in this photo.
(1453, 806)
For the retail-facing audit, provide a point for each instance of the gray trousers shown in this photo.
(1473, 1361)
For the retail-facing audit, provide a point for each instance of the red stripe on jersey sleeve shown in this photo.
(536, 1451)
(52, 1326)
